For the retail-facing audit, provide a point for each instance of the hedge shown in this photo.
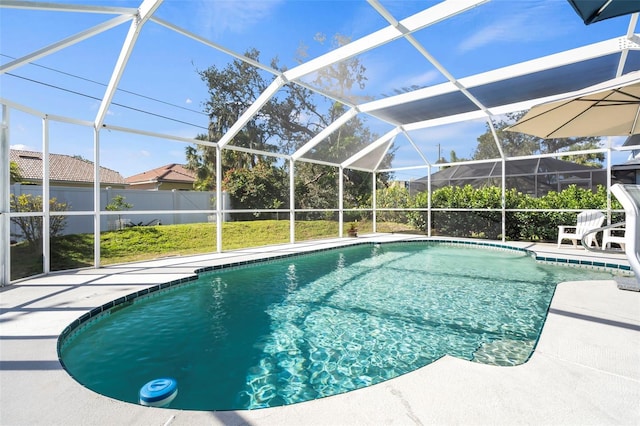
(528, 226)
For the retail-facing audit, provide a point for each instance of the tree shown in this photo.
(276, 127)
(453, 157)
(231, 91)
(286, 122)
(202, 161)
(519, 144)
(118, 203)
(261, 187)
(31, 226)
(340, 79)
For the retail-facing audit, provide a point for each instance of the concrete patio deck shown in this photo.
(585, 369)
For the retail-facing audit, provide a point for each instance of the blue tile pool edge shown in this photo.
(121, 302)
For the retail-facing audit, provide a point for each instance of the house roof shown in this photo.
(632, 140)
(176, 173)
(62, 168)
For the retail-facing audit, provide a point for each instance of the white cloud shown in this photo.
(21, 147)
(517, 26)
(505, 30)
(188, 101)
(219, 17)
(385, 77)
(145, 153)
(423, 79)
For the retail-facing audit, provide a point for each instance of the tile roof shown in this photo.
(62, 168)
(168, 173)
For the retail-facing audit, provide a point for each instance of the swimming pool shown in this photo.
(315, 325)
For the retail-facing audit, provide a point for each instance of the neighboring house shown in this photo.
(64, 170)
(171, 176)
(628, 172)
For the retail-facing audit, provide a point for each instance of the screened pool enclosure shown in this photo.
(332, 95)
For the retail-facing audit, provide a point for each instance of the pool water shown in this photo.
(315, 325)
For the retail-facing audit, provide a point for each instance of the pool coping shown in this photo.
(32, 322)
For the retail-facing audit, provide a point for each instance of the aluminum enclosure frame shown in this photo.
(470, 91)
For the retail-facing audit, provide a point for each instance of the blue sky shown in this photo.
(163, 65)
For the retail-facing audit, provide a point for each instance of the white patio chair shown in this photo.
(613, 236)
(587, 221)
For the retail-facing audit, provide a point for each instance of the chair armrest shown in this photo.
(563, 228)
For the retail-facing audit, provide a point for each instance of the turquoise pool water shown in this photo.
(310, 326)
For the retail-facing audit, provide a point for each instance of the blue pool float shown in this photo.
(159, 392)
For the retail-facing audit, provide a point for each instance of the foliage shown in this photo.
(467, 224)
(284, 124)
(316, 186)
(202, 161)
(232, 91)
(544, 225)
(118, 203)
(31, 226)
(262, 187)
(339, 78)
(393, 197)
(519, 225)
(14, 172)
(518, 144)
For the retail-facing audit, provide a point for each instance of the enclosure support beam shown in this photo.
(340, 200)
(429, 200)
(503, 199)
(625, 52)
(608, 181)
(218, 199)
(5, 240)
(69, 41)
(423, 51)
(325, 133)
(97, 219)
(374, 201)
(46, 210)
(420, 20)
(371, 147)
(415, 146)
(146, 9)
(252, 110)
(292, 202)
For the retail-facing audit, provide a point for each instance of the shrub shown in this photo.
(393, 197)
(31, 226)
(118, 203)
(519, 225)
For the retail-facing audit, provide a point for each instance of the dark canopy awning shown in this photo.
(598, 10)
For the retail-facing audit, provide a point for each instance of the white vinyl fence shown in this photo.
(165, 207)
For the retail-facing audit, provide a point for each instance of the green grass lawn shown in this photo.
(150, 242)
